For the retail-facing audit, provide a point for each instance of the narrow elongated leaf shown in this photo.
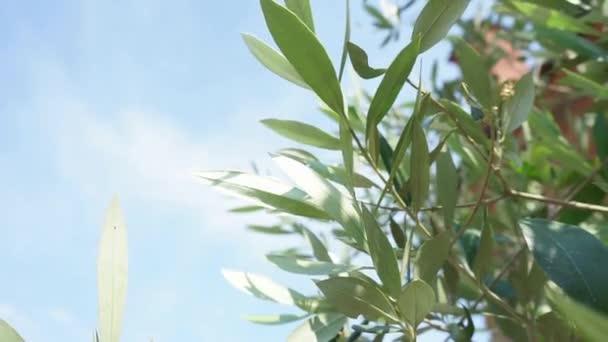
(320, 328)
(345, 44)
(347, 156)
(569, 256)
(264, 191)
(302, 49)
(475, 74)
(303, 10)
(274, 319)
(336, 174)
(601, 138)
(112, 271)
(360, 62)
(262, 287)
(307, 266)
(247, 209)
(390, 86)
(521, 104)
(303, 133)
(318, 248)
(397, 233)
(447, 186)
(298, 154)
(583, 83)
(273, 60)
(356, 296)
(419, 167)
(8, 334)
(382, 253)
(589, 323)
(464, 120)
(387, 156)
(324, 195)
(570, 40)
(551, 18)
(431, 256)
(416, 301)
(275, 230)
(407, 251)
(405, 139)
(436, 19)
(483, 259)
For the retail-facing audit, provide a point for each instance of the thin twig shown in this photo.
(482, 194)
(371, 163)
(451, 115)
(439, 207)
(487, 292)
(498, 277)
(573, 204)
(580, 187)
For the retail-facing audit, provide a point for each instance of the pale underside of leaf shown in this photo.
(112, 271)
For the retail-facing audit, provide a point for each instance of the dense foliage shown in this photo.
(482, 196)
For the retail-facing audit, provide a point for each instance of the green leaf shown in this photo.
(302, 9)
(360, 62)
(436, 19)
(589, 87)
(430, 257)
(551, 18)
(324, 195)
(273, 60)
(407, 251)
(397, 233)
(356, 296)
(8, 334)
(600, 137)
(264, 288)
(470, 244)
(419, 167)
(303, 133)
(416, 301)
(562, 40)
(341, 175)
(336, 174)
(347, 156)
(246, 209)
(483, 259)
(264, 191)
(112, 273)
(320, 328)
(521, 104)
(318, 248)
(569, 256)
(465, 333)
(274, 319)
(590, 323)
(475, 74)
(382, 254)
(298, 154)
(464, 120)
(302, 49)
(553, 328)
(386, 154)
(346, 40)
(307, 266)
(447, 186)
(275, 230)
(390, 86)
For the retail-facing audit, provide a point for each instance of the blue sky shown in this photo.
(129, 97)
